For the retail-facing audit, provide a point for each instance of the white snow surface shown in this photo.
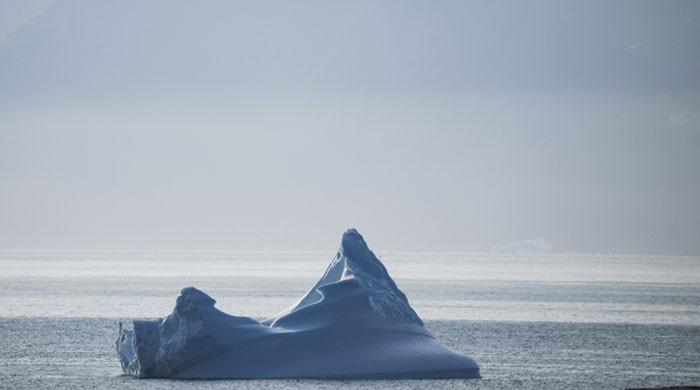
(354, 323)
(534, 245)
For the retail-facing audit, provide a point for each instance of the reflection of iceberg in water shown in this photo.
(354, 323)
(535, 245)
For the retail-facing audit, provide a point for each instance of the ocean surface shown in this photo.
(551, 321)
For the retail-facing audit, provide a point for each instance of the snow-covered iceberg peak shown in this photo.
(356, 265)
(354, 323)
(384, 296)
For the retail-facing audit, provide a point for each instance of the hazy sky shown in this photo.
(428, 125)
(15, 13)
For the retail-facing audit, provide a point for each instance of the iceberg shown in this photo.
(535, 245)
(354, 323)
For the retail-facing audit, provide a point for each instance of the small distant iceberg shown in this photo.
(354, 323)
(535, 245)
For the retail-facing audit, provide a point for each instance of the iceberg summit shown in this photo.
(354, 323)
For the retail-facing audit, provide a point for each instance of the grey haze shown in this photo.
(429, 125)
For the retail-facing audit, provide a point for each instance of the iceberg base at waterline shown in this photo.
(353, 324)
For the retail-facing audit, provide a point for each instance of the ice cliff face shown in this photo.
(354, 323)
(161, 348)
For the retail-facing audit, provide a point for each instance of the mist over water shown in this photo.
(441, 286)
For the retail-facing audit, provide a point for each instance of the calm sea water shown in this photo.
(531, 321)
